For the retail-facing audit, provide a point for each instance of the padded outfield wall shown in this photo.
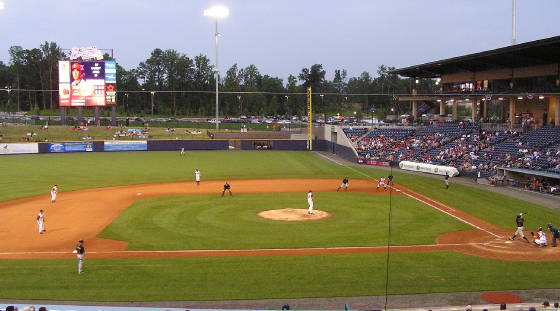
(343, 150)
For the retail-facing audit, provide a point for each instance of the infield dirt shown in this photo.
(83, 214)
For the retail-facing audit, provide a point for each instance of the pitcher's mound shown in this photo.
(293, 214)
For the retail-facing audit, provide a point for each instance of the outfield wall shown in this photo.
(176, 145)
(153, 145)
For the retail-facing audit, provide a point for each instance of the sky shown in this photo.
(281, 37)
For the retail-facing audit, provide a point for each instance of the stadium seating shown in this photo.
(465, 146)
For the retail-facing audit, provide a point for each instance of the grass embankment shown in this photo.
(16, 133)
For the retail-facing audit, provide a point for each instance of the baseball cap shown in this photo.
(81, 241)
(546, 304)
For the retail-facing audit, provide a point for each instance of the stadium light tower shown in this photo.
(217, 12)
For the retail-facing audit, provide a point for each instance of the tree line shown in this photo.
(183, 85)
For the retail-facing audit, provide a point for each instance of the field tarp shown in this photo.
(428, 168)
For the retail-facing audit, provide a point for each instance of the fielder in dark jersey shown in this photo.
(519, 221)
(344, 184)
(227, 188)
(80, 255)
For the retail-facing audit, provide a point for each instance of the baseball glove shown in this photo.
(532, 234)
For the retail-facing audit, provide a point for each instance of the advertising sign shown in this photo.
(373, 162)
(19, 148)
(126, 145)
(71, 147)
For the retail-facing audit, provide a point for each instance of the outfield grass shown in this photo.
(267, 277)
(212, 222)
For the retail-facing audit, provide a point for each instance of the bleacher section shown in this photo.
(463, 145)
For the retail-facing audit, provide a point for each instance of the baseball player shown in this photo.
(555, 234)
(183, 151)
(197, 177)
(519, 221)
(380, 183)
(310, 202)
(227, 187)
(540, 239)
(79, 251)
(344, 184)
(41, 222)
(390, 180)
(446, 181)
(54, 191)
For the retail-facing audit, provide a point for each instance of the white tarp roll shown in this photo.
(19, 148)
(429, 168)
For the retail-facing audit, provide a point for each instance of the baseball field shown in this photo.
(152, 234)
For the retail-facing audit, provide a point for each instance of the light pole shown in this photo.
(8, 89)
(126, 103)
(216, 12)
(153, 93)
(240, 105)
(288, 113)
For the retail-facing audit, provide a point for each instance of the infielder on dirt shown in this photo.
(41, 222)
(343, 185)
(54, 191)
(380, 183)
(519, 221)
(197, 177)
(310, 202)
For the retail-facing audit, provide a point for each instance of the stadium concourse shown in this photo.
(467, 146)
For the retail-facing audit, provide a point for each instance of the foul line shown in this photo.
(415, 198)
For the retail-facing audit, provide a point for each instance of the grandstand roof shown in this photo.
(539, 52)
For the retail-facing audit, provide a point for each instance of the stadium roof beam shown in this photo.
(534, 53)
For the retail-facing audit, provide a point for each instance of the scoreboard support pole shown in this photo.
(96, 114)
(62, 115)
(309, 120)
(80, 118)
(114, 115)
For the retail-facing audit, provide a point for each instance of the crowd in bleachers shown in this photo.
(466, 146)
(354, 133)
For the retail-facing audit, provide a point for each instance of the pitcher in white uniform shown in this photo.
(197, 177)
(310, 202)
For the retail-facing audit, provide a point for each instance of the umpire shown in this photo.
(555, 234)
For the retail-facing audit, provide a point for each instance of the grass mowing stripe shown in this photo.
(266, 277)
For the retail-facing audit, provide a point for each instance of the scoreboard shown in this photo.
(87, 83)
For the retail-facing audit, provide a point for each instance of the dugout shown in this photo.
(521, 81)
(547, 182)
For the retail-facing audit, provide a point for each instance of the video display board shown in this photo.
(87, 83)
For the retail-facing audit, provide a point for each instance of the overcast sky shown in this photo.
(281, 37)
